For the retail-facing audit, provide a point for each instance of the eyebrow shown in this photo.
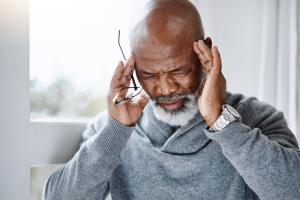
(169, 71)
(145, 72)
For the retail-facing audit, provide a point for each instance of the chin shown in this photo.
(177, 117)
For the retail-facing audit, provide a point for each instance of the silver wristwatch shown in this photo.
(228, 115)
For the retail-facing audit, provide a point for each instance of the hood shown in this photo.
(187, 139)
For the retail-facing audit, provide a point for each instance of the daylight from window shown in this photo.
(73, 53)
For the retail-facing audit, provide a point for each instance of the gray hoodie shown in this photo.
(256, 159)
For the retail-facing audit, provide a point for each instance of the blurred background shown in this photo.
(57, 58)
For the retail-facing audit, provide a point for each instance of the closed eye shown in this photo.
(180, 71)
(149, 76)
(177, 71)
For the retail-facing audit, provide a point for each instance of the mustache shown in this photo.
(169, 98)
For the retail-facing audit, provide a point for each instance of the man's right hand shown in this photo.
(127, 113)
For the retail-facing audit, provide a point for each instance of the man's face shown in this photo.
(169, 74)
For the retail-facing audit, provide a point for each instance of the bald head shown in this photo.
(168, 23)
(162, 47)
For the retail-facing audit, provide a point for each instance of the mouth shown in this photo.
(172, 105)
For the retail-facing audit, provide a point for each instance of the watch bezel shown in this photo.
(230, 112)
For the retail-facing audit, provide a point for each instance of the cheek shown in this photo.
(187, 83)
(191, 82)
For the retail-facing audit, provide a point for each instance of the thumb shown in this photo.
(142, 100)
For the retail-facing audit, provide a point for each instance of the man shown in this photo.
(187, 138)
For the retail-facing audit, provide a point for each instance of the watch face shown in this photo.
(232, 111)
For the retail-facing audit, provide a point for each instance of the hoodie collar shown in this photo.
(184, 140)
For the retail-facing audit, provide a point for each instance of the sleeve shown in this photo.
(264, 152)
(87, 174)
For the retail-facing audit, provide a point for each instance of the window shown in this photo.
(73, 53)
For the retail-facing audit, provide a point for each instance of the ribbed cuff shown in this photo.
(232, 135)
(112, 137)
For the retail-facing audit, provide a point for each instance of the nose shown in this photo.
(167, 86)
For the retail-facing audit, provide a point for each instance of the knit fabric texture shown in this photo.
(257, 158)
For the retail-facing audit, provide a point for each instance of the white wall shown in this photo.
(22, 143)
(258, 44)
(235, 27)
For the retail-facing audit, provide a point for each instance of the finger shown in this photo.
(142, 100)
(199, 53)
(208, 55)
(128, 71)
(203, 66)
(119, 98)
(117, 75)
(120, 92)
(217, 62)
(129, 66)
(205, 50)
(196, 49)
(202, 58)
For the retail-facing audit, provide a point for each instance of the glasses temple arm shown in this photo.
(133, 81)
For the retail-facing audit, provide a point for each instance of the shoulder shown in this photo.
(261, 115)
(256, 113)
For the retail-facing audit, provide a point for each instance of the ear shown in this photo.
(208, 42)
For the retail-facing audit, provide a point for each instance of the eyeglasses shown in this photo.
(131, 91)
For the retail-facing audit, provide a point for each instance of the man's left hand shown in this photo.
(213, 91)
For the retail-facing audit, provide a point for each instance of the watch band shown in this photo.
(228, 115)
(220, 123)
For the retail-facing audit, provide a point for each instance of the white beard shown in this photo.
(179, 117)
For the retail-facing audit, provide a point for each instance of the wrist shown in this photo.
(212, 118)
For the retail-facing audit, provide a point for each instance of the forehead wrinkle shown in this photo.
(160, 52)
(151, 67)
(155, 48)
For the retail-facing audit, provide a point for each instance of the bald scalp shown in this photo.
(168, 23)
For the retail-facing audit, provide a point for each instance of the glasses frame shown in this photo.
(135, 87)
